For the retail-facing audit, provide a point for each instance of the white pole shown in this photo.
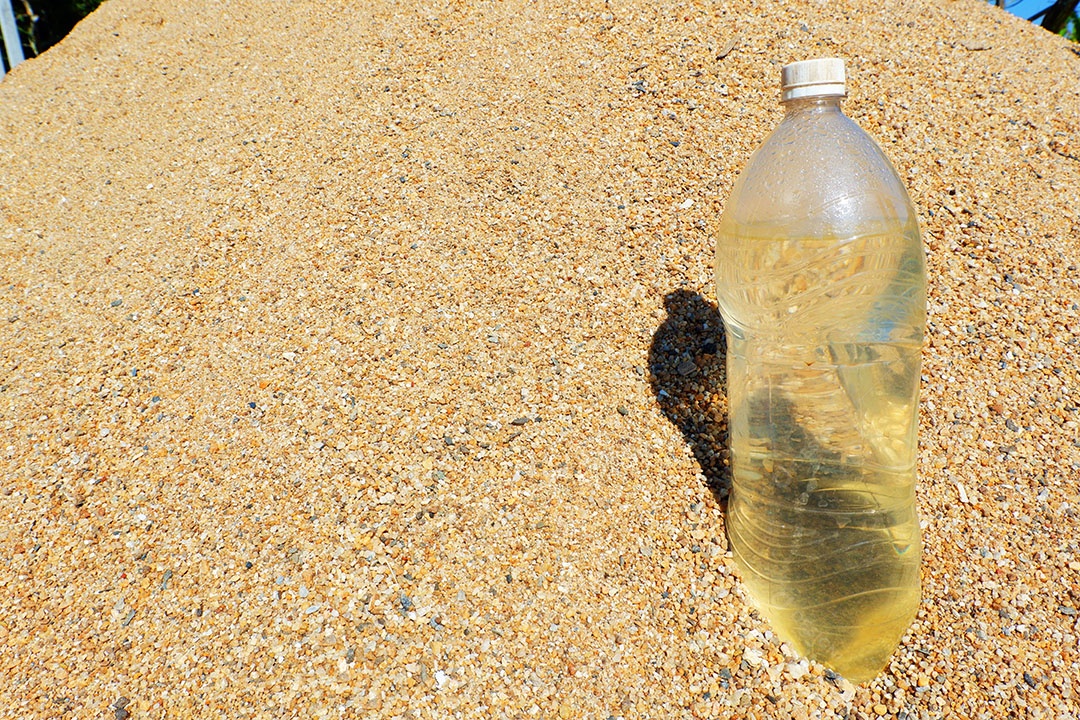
(10, 31)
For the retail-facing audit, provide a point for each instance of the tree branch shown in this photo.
(1056, 16)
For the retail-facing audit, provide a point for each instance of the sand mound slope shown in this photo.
(358, 359)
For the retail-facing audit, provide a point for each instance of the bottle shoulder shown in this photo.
(819, 169)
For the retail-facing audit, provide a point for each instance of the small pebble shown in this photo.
(686, 367)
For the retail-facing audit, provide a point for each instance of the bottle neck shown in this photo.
(813, 104)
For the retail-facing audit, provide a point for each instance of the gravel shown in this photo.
(387, 224)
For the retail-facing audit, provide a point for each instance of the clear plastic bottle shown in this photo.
(821, 282)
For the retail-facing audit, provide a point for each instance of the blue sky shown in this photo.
(1026, 8)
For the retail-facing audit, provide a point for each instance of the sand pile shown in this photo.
(361, 359)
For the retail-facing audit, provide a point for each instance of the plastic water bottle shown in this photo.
(821, 282)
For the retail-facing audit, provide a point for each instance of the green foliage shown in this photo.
(1072, 30)
(86, 6)
(43, 23)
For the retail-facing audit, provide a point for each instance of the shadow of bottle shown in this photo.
(688, 376)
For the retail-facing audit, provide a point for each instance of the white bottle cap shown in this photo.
(824, 76)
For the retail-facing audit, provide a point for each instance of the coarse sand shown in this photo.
(361, 359)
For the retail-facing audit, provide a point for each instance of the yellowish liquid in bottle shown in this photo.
(824, 340)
